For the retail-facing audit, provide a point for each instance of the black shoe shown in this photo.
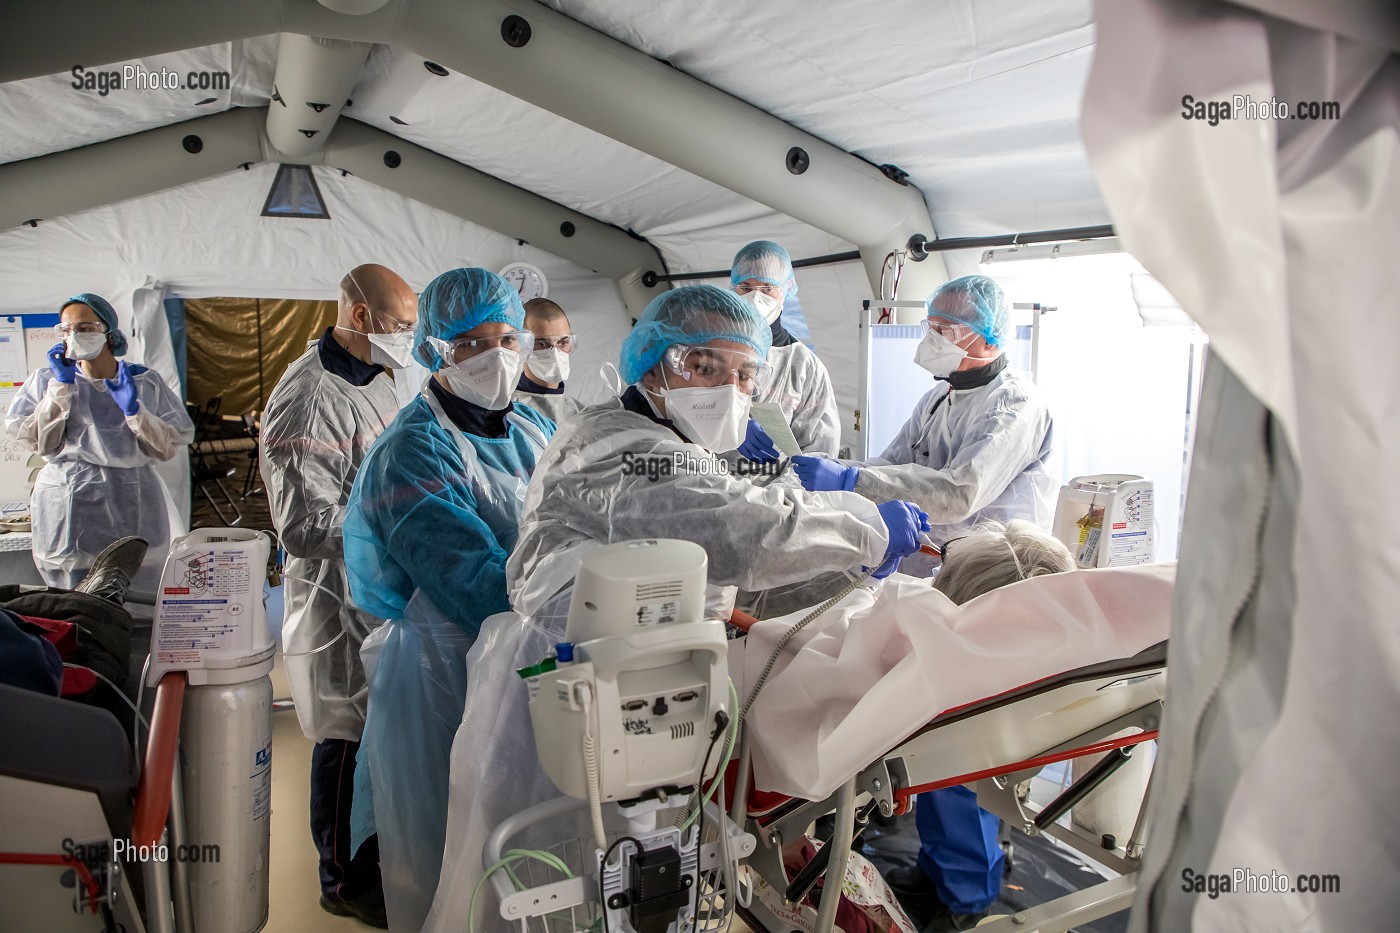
(112, 571)
(948, 922)
(911, 880)
(367, 908)
(915, 892)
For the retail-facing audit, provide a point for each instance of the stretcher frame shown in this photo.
(996, 745)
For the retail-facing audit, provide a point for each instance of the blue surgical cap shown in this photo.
(115, 338)
(976, 301)
(459, 300)
(766, 261)
(693, 315)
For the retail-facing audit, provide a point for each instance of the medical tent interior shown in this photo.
(1211, 304)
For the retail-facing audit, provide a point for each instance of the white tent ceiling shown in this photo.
(977, 102)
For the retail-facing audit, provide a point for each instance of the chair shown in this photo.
(251, 478)
(204, 470)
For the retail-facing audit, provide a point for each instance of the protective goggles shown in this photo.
(391, 326)
(462, 348)
(768, 288)
(949, 330)
(706, 367)
(68, 328)
(567, 343)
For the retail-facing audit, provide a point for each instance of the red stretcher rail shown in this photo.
(60, 861)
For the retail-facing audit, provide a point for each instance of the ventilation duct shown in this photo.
(313, 81)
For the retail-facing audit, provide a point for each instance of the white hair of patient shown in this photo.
(993, 555)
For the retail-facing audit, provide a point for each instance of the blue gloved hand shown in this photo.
(758, 446)
(904, 520)
(124, 390)
(64, 369)
(819, 474)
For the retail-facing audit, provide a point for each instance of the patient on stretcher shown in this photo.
(920, 654)
(871, 671)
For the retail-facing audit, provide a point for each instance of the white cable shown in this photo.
(302, 654)
(136, 728)
(325, 589)
(333, 595)
(118, 690)
(590, 765)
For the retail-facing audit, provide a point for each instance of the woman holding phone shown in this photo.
(100, 423)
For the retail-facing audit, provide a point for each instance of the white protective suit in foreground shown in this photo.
(869, 673)
(99, 483)
(580, 498)
(315, 431)
(798, 383)
(970, 455)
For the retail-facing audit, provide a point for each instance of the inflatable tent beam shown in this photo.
(92, 176)
(541, 56)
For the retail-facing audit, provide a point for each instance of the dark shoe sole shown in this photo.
(344, 909)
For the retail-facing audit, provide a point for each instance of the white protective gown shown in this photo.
(99, 483)
(970, 455)
(583, 496)
(798, 383)
(315, 431)
(557, 408)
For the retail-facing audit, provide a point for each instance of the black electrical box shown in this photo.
(659, 889)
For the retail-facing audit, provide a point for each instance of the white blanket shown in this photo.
(862, 678)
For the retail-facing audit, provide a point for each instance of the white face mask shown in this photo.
(84, 346)
(765, 304)
(486, 380)
(392, 351)
(715, 418)
(550, 365)
(938, 354)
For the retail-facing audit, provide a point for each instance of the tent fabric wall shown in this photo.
(1274, 236)
(239, 347)
(209, 240)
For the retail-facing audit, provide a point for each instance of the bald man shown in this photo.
(325, 413)
(542, 384)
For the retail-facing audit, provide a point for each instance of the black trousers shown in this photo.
(345, 875)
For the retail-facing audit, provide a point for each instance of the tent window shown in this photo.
(294, 194)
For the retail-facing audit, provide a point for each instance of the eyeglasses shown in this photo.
(461, 348)
(80, 327)
(708, 367)
(567, 343)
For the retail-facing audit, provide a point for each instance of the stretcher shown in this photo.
(995, 745)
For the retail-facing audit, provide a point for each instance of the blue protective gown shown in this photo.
(433, 515)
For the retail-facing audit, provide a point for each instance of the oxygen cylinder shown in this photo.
(210, 623)
(226, 739)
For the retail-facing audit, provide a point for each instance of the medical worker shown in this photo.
(797, 381)
(433, 516)
(325, 413)
(542, 383)
(100, 424)
(976, 449)
(643, 469)
(977, 446)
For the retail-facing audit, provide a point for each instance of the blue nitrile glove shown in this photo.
(904, 520)
(124, 390)
(64, 369)
(819, 474)
(758, 446)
